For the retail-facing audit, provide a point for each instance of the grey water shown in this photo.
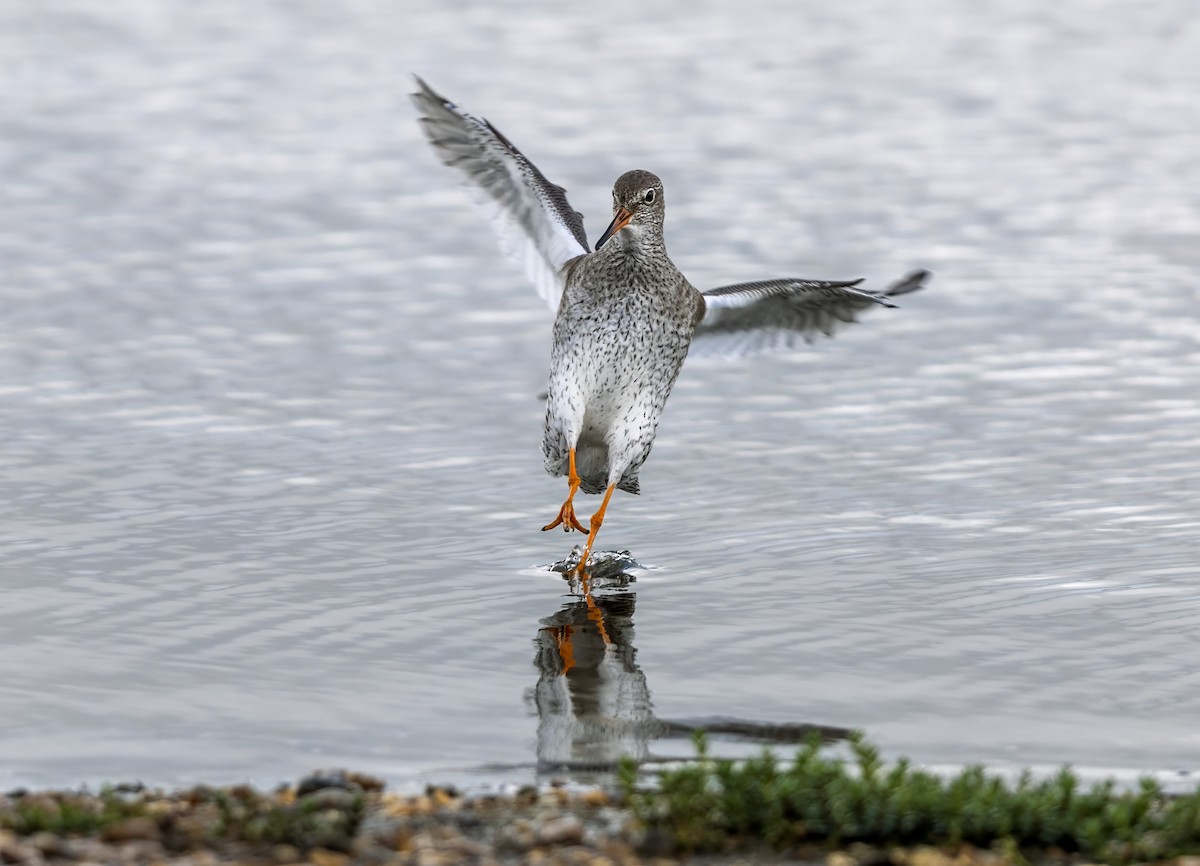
(269, 416)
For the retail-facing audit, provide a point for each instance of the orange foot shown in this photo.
(566, 514)
(566, 517)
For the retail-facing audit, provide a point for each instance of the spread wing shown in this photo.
(777, 315)
(534, 222)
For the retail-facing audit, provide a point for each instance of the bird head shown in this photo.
(637, 205)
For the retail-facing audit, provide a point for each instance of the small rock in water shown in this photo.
(340, 779)
(603, 565)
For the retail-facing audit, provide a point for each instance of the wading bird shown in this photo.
(626, 316)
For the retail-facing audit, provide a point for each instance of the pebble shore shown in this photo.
(346, 819)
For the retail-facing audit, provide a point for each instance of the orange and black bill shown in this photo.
(619, 222)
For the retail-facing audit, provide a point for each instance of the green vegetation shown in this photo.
(709, 806)
(718, 805)
(326, 819)
(67, 814)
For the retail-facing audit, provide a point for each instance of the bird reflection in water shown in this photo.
(592, 699)
(606, 570)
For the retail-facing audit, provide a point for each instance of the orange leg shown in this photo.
(597, 519)
(566, 514)
(566, 650)
(594, 612)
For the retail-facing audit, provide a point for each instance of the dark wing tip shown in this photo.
(424, 90)
(910, 283)
(428, 94)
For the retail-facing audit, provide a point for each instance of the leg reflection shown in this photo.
(592, 701)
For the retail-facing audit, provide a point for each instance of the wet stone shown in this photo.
(86, 850)
(594, 798)
(518, 836)
(129, 829)
(141, 851)
(11, 851)
(282, 854)
(325, 857)
(467, 820)
(928, 856)
(49, 844)
(567, 830)
(323, 779)
(868, 855)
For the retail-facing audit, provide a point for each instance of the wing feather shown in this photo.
(534, 222)
(777, 315)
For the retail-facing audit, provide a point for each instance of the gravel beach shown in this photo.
(339, 819)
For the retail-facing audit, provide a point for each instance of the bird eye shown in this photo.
(649, 196)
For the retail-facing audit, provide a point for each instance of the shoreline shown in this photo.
(342, 818)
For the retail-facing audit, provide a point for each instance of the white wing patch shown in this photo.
(534, 223)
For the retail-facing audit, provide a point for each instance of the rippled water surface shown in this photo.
(269, 402)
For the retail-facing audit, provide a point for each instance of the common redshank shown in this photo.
(626, 317)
